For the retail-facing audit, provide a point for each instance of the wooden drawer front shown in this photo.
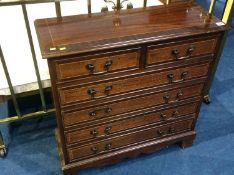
(104, 130)
(79, 116)
(70, 95)
(180, 51)
(128, 139)
(97, 65)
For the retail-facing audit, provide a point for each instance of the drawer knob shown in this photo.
(90, 67)
(107, 130)
(163, 116)
(184, 75)
(175, 52)
(94, 149)
(108, 110)
(160, 133)
(170, 78)
(108, 64)
(171, 130)
(108, 146)
(190, 50)
(94, 133)
(91, 92)
(175, 114)
(108, 89)
(166, 98)
(179, 94)
(93, 114)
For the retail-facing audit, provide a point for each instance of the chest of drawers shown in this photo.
(128, 88)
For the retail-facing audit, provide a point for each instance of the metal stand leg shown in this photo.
(3, 150)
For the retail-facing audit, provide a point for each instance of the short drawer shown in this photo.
(101, 90)
(96, 64)
(173, 96)
(126, 140)
(124, 124)
(179, 51)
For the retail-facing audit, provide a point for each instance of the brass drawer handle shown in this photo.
(108, 146)
(190, 50)
(108, 64)
(161, 133)
(175, 114)
(90, 67)
(172, 130)
(107, 130)
(170, 77)
(94, 133)
(180, 94)
(184, 75)
(93, 114)
(166, 98)
(175, 52)
(108, 89)
(91, 92)
(108, 110)
(163, 116)
(94, 149)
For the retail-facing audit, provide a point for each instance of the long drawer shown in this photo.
(112, 144)
(96, 91)
(92, 114)
(180, 50)
(124, 124)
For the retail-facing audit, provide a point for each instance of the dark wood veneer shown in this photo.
(158, 54)
(128, 139)
(122, 90)
(138, 26)
(97, 65)
(84, 117)
(106, 130)
(76, 94)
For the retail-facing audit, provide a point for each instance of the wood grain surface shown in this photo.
(84, 33)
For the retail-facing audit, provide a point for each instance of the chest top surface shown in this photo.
(84, 33)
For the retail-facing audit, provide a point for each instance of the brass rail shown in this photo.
(9, 83)
(145, 3)
(34, 56)
(89, 7)
(58, 8)
(228, 11)
(212, 5)
(20, 2)
(26, 116)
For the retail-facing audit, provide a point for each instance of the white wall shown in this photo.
(15, 45)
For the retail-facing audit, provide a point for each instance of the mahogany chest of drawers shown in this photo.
(128, 82)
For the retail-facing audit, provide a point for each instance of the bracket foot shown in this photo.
(206, 99)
